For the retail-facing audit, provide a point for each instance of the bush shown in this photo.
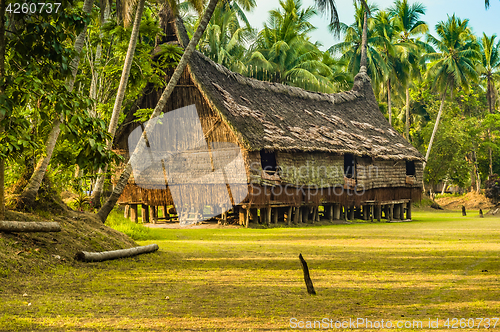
(492, 188)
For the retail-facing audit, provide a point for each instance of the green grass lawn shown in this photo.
(442, 265)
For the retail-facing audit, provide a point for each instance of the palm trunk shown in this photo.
(122, 182)
(2, 74)
(364, 42)
(407, 126)
(389, 101)
(28, 195)
(443, 98)
(120, 95)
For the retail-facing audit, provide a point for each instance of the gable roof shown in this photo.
(272, 116)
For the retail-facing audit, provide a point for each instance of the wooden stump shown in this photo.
(126, 212)
(408, 211)
(307, 277)
(145, 213)
(133, 213)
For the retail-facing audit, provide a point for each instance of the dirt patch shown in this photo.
(471, 201)
(32, 252)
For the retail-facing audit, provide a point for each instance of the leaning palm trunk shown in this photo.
(122, 182)
(435, 126)
(28, 195)
(364, 42)
(407, 126)
(389, 101)
(2, 74)
(120, 95)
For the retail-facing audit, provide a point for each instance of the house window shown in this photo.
(410, 168)
(349, 165)
(268, 161)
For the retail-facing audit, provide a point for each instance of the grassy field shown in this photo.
(442, 265)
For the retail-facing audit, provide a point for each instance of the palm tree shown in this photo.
(122, 182)
(2, 74)
(453, 64)
(28, 195)
(284, 54)
(352, 46)
(407, 22)
(490, 71)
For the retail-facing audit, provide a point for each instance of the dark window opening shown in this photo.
(349, 165)
(410, 168)
(268, 161)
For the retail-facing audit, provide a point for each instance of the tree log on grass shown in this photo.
(27, 227)
(86, 256)
(307, 278)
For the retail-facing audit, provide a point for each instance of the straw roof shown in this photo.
(277, 117)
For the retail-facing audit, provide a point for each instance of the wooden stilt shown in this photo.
(386, 212)
(296, 215)
(247, 217)
(275, 215)
(126, 212)
(133, 213)
(365, 212)
(402, 211)
(328, 214)
(255, 217)
(289, 216)
(408, 210)
(301, 212)
(391, 212)
(262, 213)
(371, 212)
(153, 214)
(316, 215)
(305, 214)
(346, 213)
(242, 214)
(337, 211)
(268, 215)
(331, 212)
(351, 212)
(145, 213)
(379, 212)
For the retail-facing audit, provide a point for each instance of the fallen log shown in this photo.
(86, 256)
(29, 226)
(307, 278)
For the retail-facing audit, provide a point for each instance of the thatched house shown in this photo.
(302, 150)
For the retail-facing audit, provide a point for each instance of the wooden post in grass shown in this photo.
(391, 214)
(379, 212)
(275, 215)
(247, 217)
(242, 214)
(481, 213)
(464, 213)
(145, 213)
(402, 212)
(133, 213)
(307, 277)
(268, 215)
(296, 215)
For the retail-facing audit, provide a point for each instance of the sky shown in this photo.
(480, 19)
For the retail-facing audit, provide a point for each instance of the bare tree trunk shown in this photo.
(120, 95)
(407, 126)
(364, 42)
(443, 98)
(122, 182)
(2, 74)
(28, 195)
(389, 101)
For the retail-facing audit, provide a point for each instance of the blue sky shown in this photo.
(481, 20)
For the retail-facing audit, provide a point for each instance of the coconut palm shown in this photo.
(453, 64)
(410, 27)
(352, 46)
(224, 39)
(284, 54)
(490, 67)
